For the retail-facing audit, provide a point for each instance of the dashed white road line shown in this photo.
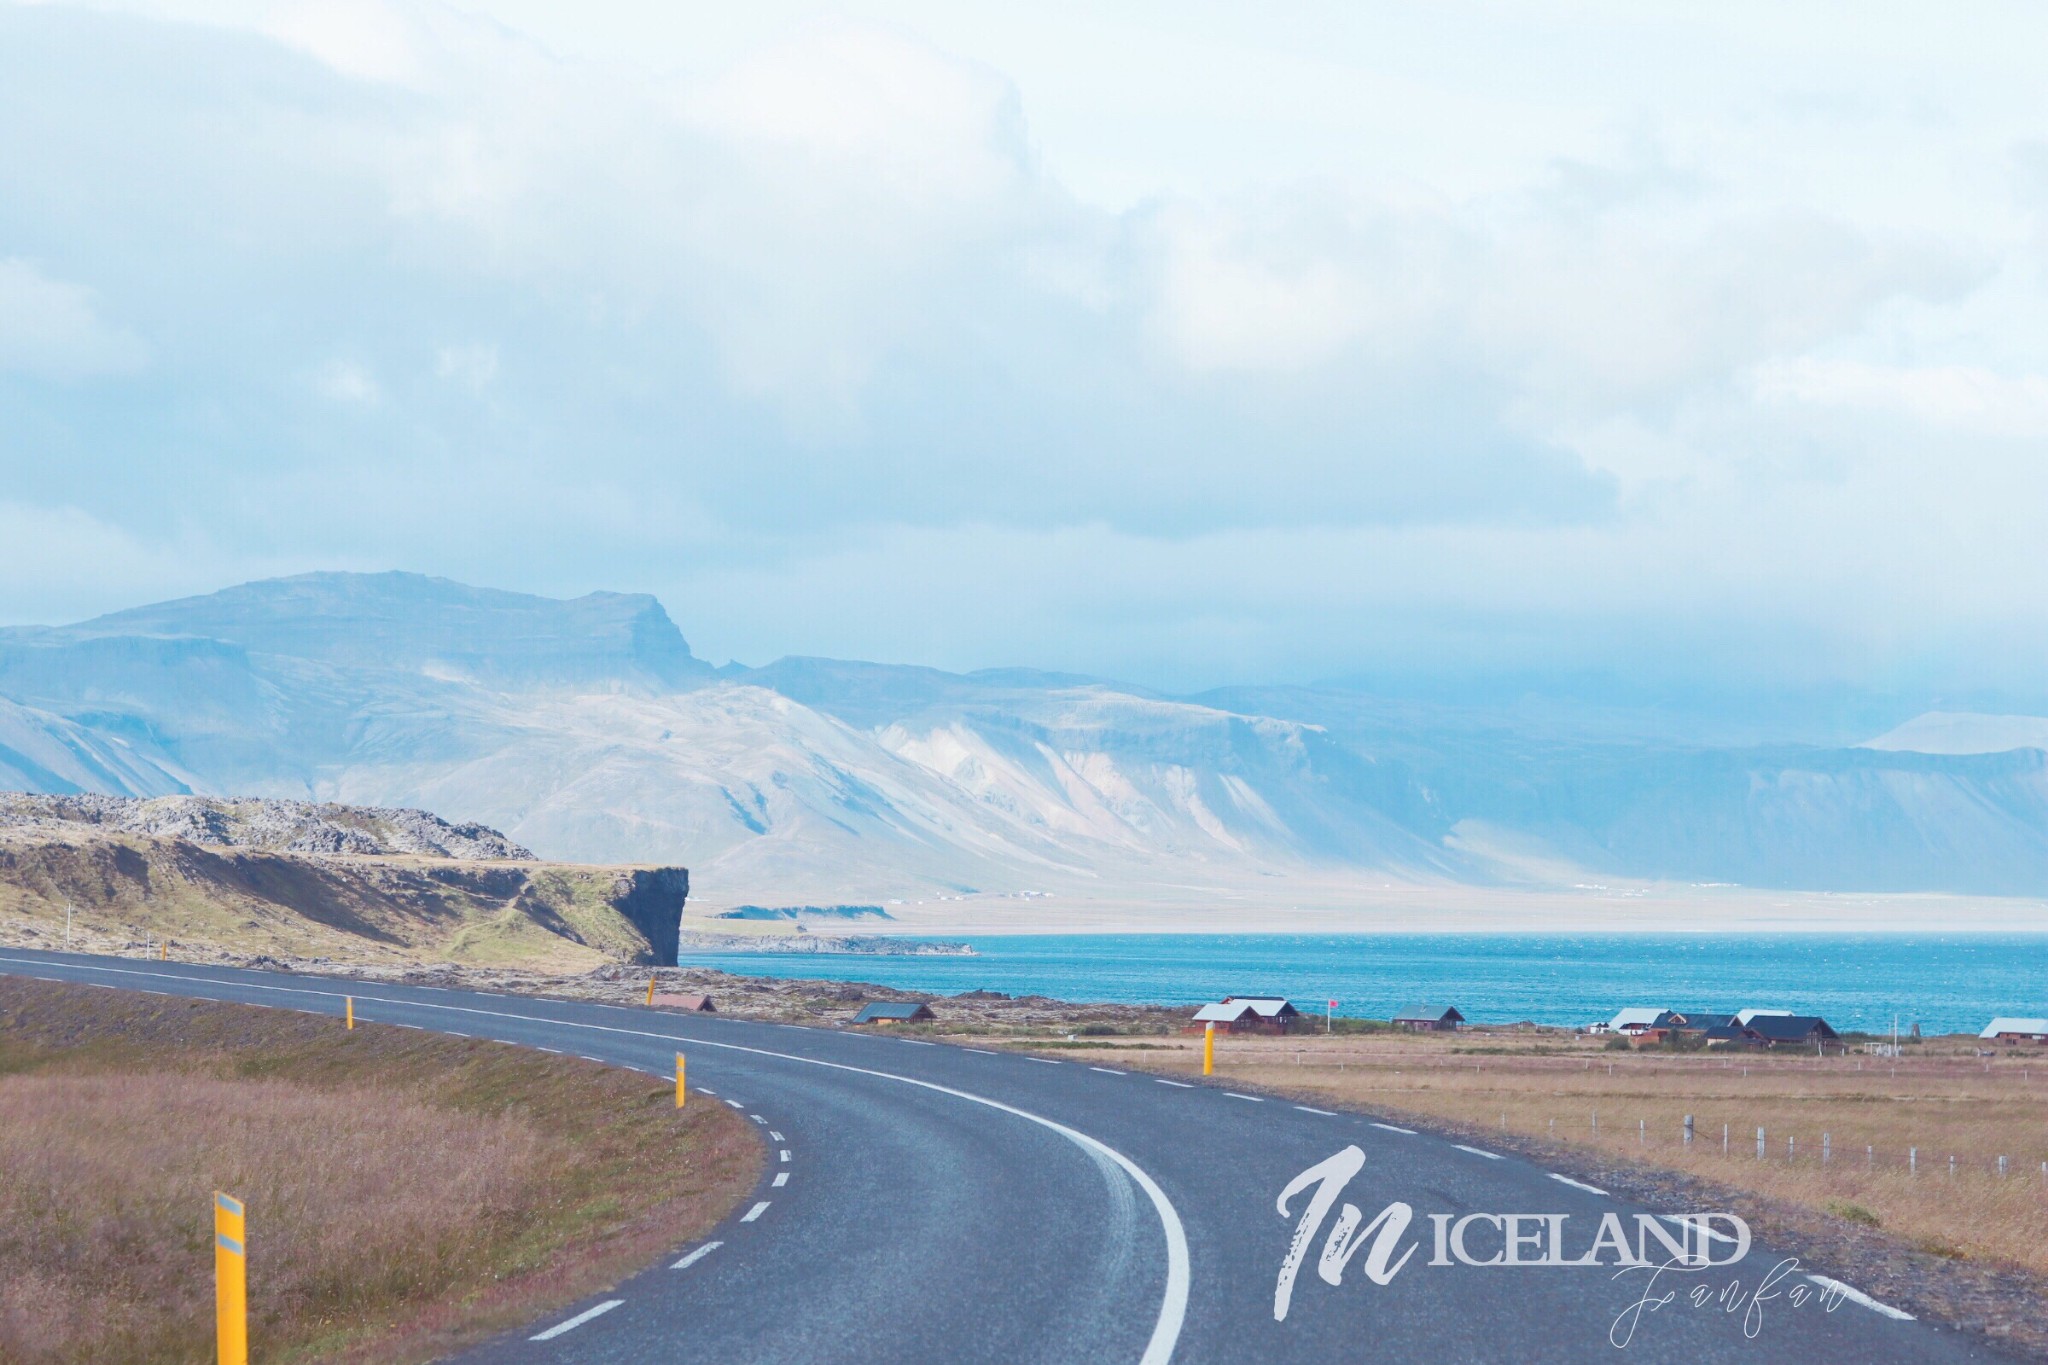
(699, 1254)
(916, 1042)
(702, 1089)
(573, 1323)
(1392, 1129)
(979, 1051)
(758, 1119)
(588, 1058)
(1047, 1060)
(736, 1104)
(1109, 1071)
(1307, 1110)
(557, 1051)
(1575, 1184)
(785, 1154)
(755, 1212)
(781, 1179)
(1477, 1151)
(1855, 1295)
(1253, 1098)
(1177, 1085)
(774, 1136)
(1689, 1221)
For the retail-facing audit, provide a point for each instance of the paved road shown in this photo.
(934, 1203)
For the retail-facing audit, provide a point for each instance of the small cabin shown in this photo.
(1247, 1014)
(2013, 1032)
(1804, 1032)
(895, 1012)
(695, 1004)
(1429, 1019)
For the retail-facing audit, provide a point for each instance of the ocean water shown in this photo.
(1948, 983)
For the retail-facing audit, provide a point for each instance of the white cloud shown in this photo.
(49, 327)
(1961, 398)
(345, 381)
(1496, 332)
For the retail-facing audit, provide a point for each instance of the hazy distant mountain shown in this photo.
(1964, 732)
(586, 730)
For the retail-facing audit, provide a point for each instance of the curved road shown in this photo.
(935, 1203)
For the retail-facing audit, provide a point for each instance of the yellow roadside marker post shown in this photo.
(679, 1080)
(1209, 1049)
(230, 1280)
(165, 955)
(350, 1005)
(650, 990)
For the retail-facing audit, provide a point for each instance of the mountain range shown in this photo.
(587, 730)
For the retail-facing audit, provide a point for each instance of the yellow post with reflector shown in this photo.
(679, 1080)
(1209, 1049)
(230, 1280)
(650, 990)
(349, 1004)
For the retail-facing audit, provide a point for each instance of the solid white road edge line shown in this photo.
(1392, 1129)
(1477, 1151)
(755, 1212)
(573, 1323)
(1173, 1304)
(1575, 1184)
(699, 1254)
(1855, 1295)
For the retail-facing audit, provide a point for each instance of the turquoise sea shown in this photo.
(1948, 983)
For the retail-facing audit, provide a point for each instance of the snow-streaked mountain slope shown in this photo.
(585, 730)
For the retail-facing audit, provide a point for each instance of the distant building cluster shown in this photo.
(1750, 1028)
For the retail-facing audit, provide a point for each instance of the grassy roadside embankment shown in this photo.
(407, 1192)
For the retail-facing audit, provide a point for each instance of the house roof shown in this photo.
(1639, 1016)
(890, 1009)
(2005, 1024)
(1427, 1014)
(1236, 1007)
(1744, 1016)
(1705, 1019)
(1785, 1027)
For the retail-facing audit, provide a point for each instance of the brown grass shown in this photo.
(406, 1192)
(1942, 1099)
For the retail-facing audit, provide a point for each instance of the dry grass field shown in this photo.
(1870, 1112)
(406, 1192)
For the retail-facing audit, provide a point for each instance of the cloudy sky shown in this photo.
(1180, 342)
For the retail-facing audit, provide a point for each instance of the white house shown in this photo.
(2006, 1030)
(1639, 1019)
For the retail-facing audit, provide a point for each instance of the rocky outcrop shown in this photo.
(274, 826)
(652, 899)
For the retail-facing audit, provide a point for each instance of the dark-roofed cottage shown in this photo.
(1428, 1019)
(1805, 1032)
(895, 1012)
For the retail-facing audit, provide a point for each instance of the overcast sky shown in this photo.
(1179, 342)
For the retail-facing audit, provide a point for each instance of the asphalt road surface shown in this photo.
(935, 1203)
